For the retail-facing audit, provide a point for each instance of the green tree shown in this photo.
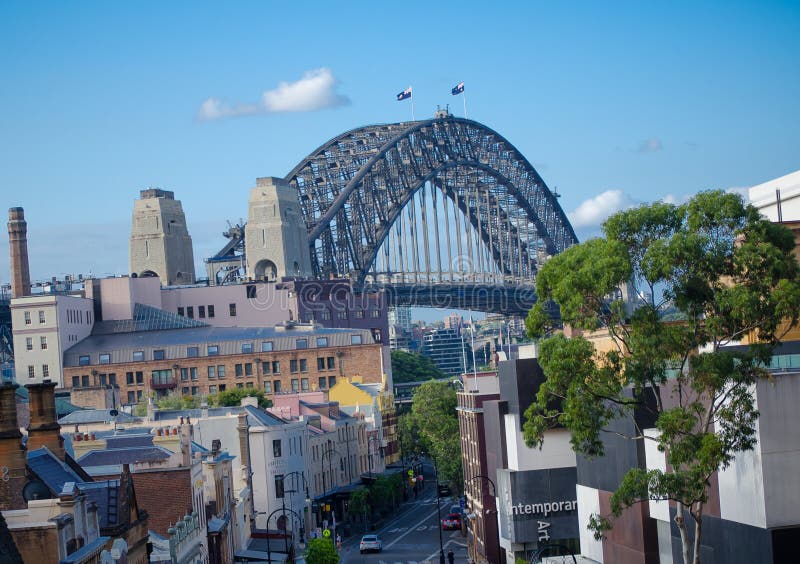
(434, 413)
(321, 551)
(413, 367)
(358, 505)
(234, 397)
(408, 434)
(723, 273)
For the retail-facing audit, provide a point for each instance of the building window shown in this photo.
(212, 389)
(45, 371)
(138, 396)
(103, 380)
(185, 374)
(301, 344)
(43, 343)
(304, 384)
(276, 367)
(190, 312)
(355, 339)
(131, 397)
(266, 346)
(276, 384)
(31, 371)
(213, 350)
(85, 381)
(195, 390)
(29, 343)
(185, 391)
(210, 311)
(158, 354)
(112, 379)
(341, 314)
(303, 365)
(162, 376)
(180, 311)
(322, 382)
(331, 362)
(193, 372)
(265, 366)
(376, 335)
(359, 314)
(247, 348)
(248, 368)
(212, 372)
(295, 384)
(237, 369)
(192, 352)
(221, 371)
(267, 387)
(322, 341)
(129, 378)
(325, 314)
(279, 486)
(276, 448)
(27, 318)
(105, 358)
(41, 317)
(375, 313)
(139, 377)
(138, 356)
(83, 360)
(232, 310)
(248, 385)
(331, 381)
(201, 312)
(293, 366)
(320, 363)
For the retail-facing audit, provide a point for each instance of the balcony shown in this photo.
(163, 384)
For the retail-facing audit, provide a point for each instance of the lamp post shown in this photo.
(330, 469)
(480, 493)
(438, 510)
(286, 541)
(291, 501)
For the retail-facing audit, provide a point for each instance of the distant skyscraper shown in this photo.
(447, 350)
(160, 244)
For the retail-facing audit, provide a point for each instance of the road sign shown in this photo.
(463, 503)
(410, 472)
(326, 533)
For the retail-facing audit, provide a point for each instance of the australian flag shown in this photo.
(404, 95)
(458, 89)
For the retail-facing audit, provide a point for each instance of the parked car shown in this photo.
(370, 543)
(456, 509)
(452, 522)
(444, 490)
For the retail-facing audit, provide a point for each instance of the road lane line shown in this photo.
(410, 530)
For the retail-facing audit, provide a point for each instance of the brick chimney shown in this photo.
(12, 454)
(18, 245)
(44, 429)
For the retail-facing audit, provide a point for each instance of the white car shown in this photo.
(370, 543)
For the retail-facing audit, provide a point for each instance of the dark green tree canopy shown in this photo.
(413, 367)
(724, 274)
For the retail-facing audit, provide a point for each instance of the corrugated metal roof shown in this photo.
(100, 493)
(255, 416)
(95, 416)
(229, 341)
(129, 455)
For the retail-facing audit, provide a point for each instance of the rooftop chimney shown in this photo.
(18, 246)
(44, 430)
(12, 455)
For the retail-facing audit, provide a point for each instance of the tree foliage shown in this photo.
(413, 367)
(434, 415)
(321, 551)
(234, 397)
(722, 273)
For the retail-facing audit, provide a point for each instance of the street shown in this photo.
(411, 536)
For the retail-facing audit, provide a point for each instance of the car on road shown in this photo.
(456, 509)
(452, 522)
(444, 490)
(370, 543)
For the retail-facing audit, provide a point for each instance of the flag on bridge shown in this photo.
(458, 88)
(404, 95)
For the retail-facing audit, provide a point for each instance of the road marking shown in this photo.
(422, 528)
(411, 529)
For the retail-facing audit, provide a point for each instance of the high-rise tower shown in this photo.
(276, 240)
(18, 245)
(160, 243)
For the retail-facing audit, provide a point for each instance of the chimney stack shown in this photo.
(12, 454)
(18, 245)
(44, 429)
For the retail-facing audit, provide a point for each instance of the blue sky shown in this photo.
(614, 103)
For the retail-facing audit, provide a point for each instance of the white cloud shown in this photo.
(651, 145)
(316, 90)
(592, 212)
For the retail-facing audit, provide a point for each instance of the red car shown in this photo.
(452, 522)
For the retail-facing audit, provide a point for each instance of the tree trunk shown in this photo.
(698, 527)
(680, 521)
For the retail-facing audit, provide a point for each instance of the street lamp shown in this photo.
(438, 510)
(330, 469)
(295, 490)
(286, 540)
(480, 493)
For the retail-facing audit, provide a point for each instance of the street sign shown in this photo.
(410, 472)
(326, 533)
(463, 503)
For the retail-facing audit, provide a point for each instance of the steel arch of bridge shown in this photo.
(354, 190)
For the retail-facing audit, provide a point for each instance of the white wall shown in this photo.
(764, 197)
(656, 460)
(556, 452)
(588, 504)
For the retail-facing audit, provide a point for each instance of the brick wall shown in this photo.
(363, 360)
(166, 495)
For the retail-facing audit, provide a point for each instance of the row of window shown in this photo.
(29, 343)
(201, 311)
(325, 314)
(84, 381)
(194, 352)
(27, 316)
(32, 371)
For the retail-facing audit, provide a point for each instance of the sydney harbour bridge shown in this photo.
(443, 212)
